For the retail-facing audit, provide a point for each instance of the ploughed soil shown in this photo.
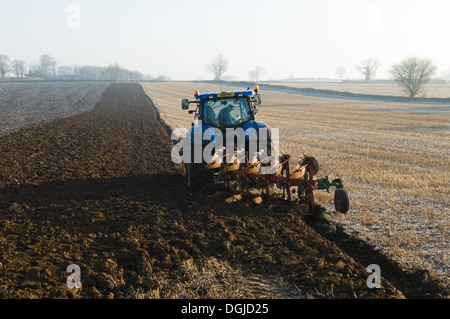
(25, 104)
(100, 190)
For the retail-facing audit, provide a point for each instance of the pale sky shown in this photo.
(299, 38)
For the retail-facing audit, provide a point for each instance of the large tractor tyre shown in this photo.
(197, 177)
(341, 201)
(267, 145)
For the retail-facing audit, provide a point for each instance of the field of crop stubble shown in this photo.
(394, 159)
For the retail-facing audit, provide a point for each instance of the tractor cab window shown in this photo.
(228, 112)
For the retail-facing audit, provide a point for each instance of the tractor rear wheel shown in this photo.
(341, 202)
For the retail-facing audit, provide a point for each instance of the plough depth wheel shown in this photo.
(341, 202)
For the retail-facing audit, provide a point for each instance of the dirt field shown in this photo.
(99, 190)
(24, 104)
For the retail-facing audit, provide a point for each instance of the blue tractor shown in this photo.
(226, 144)
(217, 114)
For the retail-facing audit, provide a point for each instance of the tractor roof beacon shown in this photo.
(246, 164)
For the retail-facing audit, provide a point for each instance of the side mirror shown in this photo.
(255, 111)
(185, 104)
(257, 99)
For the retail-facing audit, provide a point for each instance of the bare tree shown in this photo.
(114, 71)
(53, 65)
(218, 66)
(18, 67)
(412, 73)
(35, 70)
(256, 73)
(135, 76)
(65, 72)
(4, 65)
(368, 68)
(88, 72)
(48, 65)
(340, 72)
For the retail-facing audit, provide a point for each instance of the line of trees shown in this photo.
(16, 66)
(411, 74)
(47, 68)
(219, 66)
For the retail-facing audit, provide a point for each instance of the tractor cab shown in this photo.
(228, 117)
(224, 109)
